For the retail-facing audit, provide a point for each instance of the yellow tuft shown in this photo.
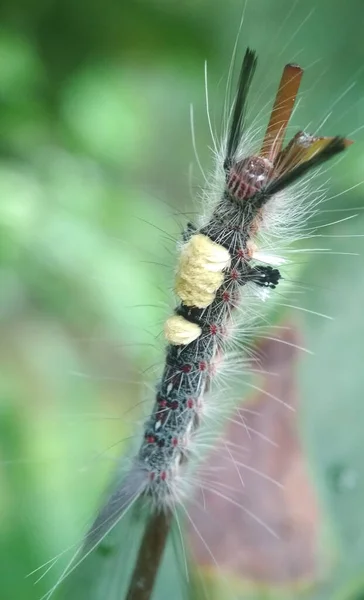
(199, 274)
(179, 331)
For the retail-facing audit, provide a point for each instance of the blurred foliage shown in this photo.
(94, 159)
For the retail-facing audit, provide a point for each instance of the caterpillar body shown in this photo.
(222, 263)
(217, 262)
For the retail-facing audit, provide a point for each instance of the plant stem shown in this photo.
(149, 556)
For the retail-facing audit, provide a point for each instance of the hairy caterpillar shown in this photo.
(223, 263)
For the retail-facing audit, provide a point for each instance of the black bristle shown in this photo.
(237, 122)
(275, 186)
(265, 276)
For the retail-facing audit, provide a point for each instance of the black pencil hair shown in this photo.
(237, 122)
(334, 147)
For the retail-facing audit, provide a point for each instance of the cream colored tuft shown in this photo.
(179, 331)
(199, 274)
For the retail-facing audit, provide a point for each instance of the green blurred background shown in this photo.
(95, 186)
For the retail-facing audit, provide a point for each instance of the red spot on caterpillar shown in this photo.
(190, 403)
(150, 439)
(213, 329)
(241, 253)
(175, 442)
(174, 405)
(163, 476)
(186, 369)
(202, 366)
(226, 296)
(234, 274)
(162, 402)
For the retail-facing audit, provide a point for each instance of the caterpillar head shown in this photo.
(248, 176)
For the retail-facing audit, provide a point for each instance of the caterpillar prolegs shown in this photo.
(225, 259)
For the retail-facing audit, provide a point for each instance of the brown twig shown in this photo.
(149, 556)
(282, 111)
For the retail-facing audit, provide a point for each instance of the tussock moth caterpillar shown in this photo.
(223, 264)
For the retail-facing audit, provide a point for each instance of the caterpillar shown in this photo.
(217, 262)
(222, 264)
